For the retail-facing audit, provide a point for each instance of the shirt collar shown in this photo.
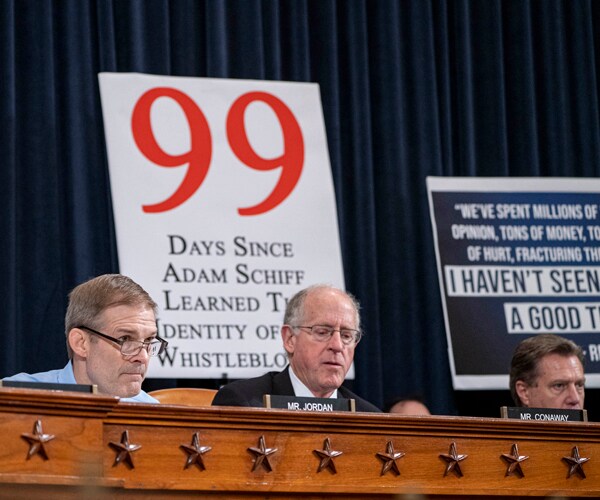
(66, 375)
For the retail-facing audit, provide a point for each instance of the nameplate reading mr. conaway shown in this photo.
(295, 403)
(544, 414)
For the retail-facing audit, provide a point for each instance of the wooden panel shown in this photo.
(84, 426)
(72, 456)
(230, 432)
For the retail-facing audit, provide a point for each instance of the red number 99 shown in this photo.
(197, 158)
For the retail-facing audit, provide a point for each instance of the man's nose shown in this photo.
(574, 395)
(142, 356)
(335, 342)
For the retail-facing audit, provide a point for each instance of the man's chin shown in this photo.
(131, 390)
(338, 370)
(333, 383)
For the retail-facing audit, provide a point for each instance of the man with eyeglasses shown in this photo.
(320, 333)
(546, 371)
(111, 333)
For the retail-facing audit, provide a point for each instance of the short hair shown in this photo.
(525, 361)
(90, 299)
(294, 310)
(417, 398)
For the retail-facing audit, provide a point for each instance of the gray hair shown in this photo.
(294, 310)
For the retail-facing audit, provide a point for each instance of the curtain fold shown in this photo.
(410, 88)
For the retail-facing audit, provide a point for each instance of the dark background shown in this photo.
(409, 89)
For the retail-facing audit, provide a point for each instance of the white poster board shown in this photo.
(516, 257)
(224, 208)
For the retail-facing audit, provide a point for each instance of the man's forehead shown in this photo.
(559, 366)
(329, 314)
(124, 313)
(562, 359)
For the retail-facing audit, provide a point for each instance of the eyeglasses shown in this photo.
(322, 333)
(133, 347)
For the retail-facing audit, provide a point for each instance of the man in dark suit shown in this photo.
(320, 332)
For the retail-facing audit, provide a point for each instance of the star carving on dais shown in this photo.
(452, 459)
(261, 455)
(575, 462)
(514, 461)
(37, 440)
(124, 450)
(326, 455)
(195, 452)
(389, 459)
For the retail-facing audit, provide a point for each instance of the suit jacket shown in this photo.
(250, 392)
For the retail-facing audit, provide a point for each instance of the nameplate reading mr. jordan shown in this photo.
(295, 403)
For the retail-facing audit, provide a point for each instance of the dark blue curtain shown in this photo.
(409, 88)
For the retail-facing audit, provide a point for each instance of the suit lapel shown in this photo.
(282, 384)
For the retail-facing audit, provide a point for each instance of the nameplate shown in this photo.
(543, 414)
(50, 386)
(322, 405)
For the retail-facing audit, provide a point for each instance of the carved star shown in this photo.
(195, 452)
(575, 462)
(453, 459)
(124, 450)
(261, 455)
(327, 455)
(389, 459)
(37, 440)
(514, 461)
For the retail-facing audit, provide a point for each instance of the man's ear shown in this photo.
(79, 342)
(522, 390)
(288, 338)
